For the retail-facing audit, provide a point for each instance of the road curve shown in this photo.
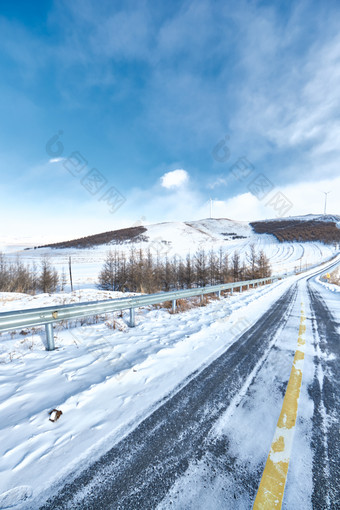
(153, 464)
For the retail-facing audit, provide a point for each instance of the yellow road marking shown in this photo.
(270, 492)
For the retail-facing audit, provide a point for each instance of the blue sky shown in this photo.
(144, 92)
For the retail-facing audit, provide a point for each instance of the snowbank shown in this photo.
(104, 377)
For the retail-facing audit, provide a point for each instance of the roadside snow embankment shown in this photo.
(104, 377)
(330, 286)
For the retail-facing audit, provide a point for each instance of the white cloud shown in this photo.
(189, 203)
(221, 181)
(305, 197)
(174, 179)
(56, 160)
(152, 206)
(289, 98)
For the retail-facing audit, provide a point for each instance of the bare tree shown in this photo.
(201, 269)
(263, 264)
(63, 280)
(142, 273)
(225, 271)
(189, 272)
(213, 268)
(48, 279)
(235, 261)
(253, 269)
(108, 274)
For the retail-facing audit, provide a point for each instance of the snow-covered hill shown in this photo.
(179, 238)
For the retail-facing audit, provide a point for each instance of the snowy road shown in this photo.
(211, 444)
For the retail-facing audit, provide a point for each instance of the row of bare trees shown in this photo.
(15, 276)
(141, 271)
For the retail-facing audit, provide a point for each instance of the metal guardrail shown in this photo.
(47, 316)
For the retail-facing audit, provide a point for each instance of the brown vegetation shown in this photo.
(335, 277)
(142, 272)
(132, 234)
(18, 277)
(298, 230)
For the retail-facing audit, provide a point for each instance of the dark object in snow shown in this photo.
(55, 415)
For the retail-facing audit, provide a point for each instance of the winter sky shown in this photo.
(157, 106)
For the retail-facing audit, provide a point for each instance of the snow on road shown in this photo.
(106, 381)
(246, 431)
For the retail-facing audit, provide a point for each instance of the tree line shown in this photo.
(15, 276)
(141, 271)
(300, 231)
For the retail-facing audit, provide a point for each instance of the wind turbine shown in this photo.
(326, 193)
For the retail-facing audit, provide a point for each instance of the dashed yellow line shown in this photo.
(270, 492)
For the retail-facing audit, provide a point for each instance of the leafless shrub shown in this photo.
(335, 277)
(15, 276)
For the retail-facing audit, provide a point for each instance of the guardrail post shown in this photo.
(201, 298)
(132, 318)
(49, 337)
(173, 305)
(218, 294)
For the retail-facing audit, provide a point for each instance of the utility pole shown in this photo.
(326, 193)
(70, 269)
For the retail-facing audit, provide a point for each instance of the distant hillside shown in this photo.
(167, 240)
(182, 237)
(301, 229)
(124, 235)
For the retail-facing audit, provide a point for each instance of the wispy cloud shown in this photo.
(56, 160)
(290, 106)
(140, 86)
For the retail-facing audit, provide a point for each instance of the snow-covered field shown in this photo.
(180, 238)
(104, 376)
(104, 381)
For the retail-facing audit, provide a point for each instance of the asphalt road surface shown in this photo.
(207, 445)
